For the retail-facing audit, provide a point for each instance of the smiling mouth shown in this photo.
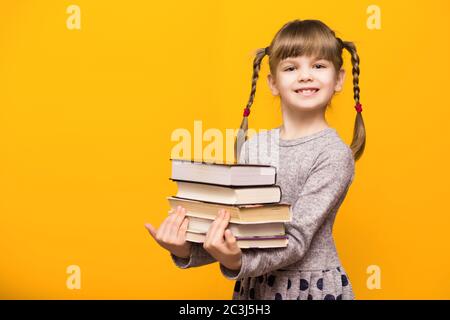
(307, 93)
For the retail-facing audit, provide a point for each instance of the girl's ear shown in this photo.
(272, 85)
(340, 80)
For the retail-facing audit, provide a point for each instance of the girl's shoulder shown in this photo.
(338, 155)
(337, 152)
(334, 145)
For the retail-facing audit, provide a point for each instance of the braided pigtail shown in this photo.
(359, 131)
(242, 132)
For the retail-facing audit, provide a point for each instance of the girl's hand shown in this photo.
(227, 252)
(171, 235)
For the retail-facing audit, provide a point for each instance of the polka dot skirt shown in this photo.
(330, 284)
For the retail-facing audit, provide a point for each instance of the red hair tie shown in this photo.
(246, 112)
(358, 107)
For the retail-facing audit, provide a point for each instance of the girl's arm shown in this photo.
(198, 257)
(324, 189)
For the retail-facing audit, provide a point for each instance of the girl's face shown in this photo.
(305, 72)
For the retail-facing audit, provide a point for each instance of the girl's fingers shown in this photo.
(163, 228)
(151, 230)
(230, 239)
(221, 225)
(164, 225)
(183, 229)
(225, 219)
(168, 227)
(211, 228)
(178, 221)
(212, 233)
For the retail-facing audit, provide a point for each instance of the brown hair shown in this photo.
(312, 38)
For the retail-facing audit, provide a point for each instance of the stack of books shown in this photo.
(247, 191)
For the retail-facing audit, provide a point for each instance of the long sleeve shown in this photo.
(199, 257)
(326, 184)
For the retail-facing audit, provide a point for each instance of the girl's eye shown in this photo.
(290, 68)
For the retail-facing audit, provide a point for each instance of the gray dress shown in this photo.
(314, 173)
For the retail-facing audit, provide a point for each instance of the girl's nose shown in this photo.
(304, 75)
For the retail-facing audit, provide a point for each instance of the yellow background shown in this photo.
(86, 118)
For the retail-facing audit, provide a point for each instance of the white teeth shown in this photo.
(308, 91)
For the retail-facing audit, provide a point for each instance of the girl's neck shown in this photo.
(298, 124)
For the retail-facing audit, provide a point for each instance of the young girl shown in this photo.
(315, 169)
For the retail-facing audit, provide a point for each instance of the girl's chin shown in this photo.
(305, 106)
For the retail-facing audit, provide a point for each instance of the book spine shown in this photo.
(225, 164)
(228, 204)
(231, 186)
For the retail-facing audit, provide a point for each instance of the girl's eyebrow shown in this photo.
(288, 60)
